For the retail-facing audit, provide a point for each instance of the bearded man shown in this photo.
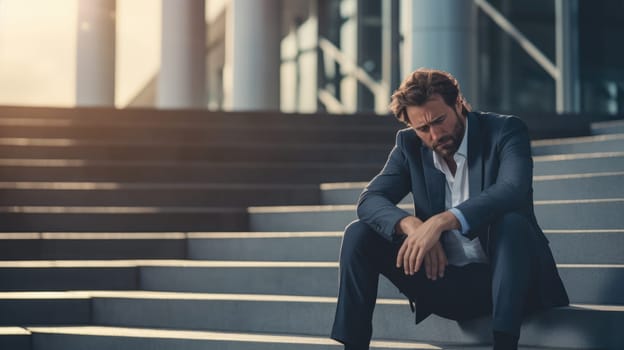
(473, 246)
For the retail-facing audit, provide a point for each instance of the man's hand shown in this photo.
(421, 239)
(435, 262)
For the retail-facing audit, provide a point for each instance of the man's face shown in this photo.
(440, 127)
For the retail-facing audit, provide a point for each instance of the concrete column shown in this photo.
(95, 61)
(390, 42)
(182, 78)
(252, 57)
(568, 82)
(441, 34)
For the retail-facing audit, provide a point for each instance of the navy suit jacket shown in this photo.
(500, 171)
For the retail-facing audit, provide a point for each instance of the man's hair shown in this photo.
(420, 86)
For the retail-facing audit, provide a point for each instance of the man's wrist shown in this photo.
(448, 221)
(464, 226)
(407, 224)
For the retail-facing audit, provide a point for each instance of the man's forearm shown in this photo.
(444, 221)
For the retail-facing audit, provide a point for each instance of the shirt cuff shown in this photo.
(465, 227)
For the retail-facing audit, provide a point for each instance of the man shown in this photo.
(473, 246)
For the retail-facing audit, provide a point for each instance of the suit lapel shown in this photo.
(475, 156)
(435, 182)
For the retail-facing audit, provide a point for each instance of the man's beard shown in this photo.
(449, 144)
(446, 146)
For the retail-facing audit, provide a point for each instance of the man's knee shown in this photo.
(357, 238)
(513, 230)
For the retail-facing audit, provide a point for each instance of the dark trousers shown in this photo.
(500, 288)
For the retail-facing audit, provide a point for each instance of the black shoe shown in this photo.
(355, 347)
(505, 341)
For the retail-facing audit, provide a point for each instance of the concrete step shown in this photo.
(590, 284)
(59, 148)
(58, 275)
(568, 246)
(16, 170)
(51, 170)
(15, 338)
(189, 132)
(573, 186)
(554, 214)
(576, 246)
(344, 193)
(155, 194)
(92, 245)
(579, 326)
(157, 151)
(539, 125)
(194, 117)
(572, 145)
(545, 187)
(264, 246)
(608, 127)
(120, 338)
(581, 163)
(44, 308)
(125, 338)
(124, 219)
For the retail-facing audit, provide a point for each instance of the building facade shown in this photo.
(347, 56)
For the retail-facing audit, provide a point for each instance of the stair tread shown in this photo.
(215, 335)
(575, 140)
(107, 185)
(160, 295)
(72, 162)
(213, 264)
(176, 125)
(115, 209)
(76, 142)
(13, 331)
(361, 184)
(577, 156)
(294, 339)
(73, 141)
(222, 235)
(133, 309)
(353, 207)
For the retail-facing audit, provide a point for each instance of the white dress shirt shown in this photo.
(459, 249)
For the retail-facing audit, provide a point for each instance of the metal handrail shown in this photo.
(360, 74)
(522, 40)
(379, 89)
(332, 104)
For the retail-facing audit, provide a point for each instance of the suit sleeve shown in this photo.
(377, 203)
(513, 181)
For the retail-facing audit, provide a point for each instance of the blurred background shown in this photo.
(336, 56)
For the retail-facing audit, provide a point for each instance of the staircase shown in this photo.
(168, 230)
